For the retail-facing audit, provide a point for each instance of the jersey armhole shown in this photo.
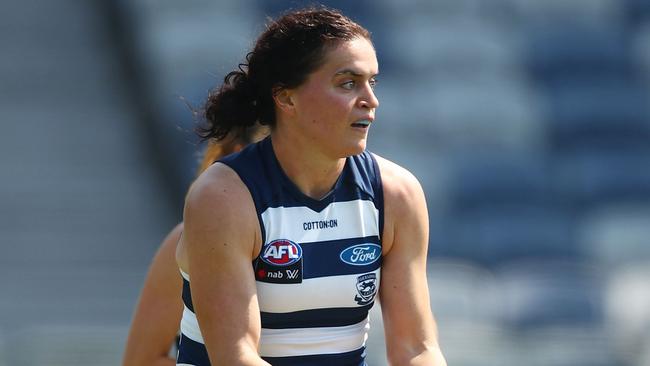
(379, 192)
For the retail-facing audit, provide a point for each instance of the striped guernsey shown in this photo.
(318, 271)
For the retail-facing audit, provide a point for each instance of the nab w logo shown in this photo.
(281, 252)
(292, 273)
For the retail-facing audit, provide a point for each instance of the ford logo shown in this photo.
(361, 254)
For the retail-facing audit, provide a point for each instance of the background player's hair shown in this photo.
(217, 149)
(284, 55)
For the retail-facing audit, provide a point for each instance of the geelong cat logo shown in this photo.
(361, 254)
(281, 252)
(366, 288)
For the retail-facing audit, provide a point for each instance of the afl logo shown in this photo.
(281, 252)
(361, 254)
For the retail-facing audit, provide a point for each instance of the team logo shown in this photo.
(281, 263)
(366, 288)
(361, 254)
(281, 252)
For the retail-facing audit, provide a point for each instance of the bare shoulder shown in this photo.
(219, 205)
(398, 182)
(217, 186)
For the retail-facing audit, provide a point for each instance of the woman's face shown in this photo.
(335, 106)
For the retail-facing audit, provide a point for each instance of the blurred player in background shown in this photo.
(155, 324)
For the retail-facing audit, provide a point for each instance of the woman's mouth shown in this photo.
(363, 123)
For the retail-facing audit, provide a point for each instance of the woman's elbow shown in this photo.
(428, 354)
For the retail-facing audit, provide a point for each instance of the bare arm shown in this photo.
(157, 316)
(221, 238)
(411, 334)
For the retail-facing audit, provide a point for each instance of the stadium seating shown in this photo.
(453, 50)
(180, 53)
(594, 177)
(597, 113)
(559, 52)
(536, 293)
(641, 51)
(616, 235)
(500, 235)
(498, 179)
(636, 11)
(490, 115)
(551, 12)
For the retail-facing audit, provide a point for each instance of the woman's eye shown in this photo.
(373, 83)
(349, 85)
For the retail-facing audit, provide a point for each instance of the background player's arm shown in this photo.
(157, 316)
(411, 335)
(221, 238)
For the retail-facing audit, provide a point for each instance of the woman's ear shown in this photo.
(284, 100)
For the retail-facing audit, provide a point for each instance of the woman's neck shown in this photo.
(312, 171)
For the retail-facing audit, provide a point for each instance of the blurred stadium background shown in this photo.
(526, 121)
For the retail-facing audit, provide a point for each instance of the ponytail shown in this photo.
(232, 108)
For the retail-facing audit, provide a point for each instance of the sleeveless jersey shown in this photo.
(318, 271)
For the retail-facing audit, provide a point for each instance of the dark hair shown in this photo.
(284, 55)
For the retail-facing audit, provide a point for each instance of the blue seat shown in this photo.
(502, 208)
(494, 180)
(496, 236)
(549, 12)
(636, 11)
(616, 236)
(597, 177)
(563, 51)
(599, 112)
(504, 115)
(536, 294)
